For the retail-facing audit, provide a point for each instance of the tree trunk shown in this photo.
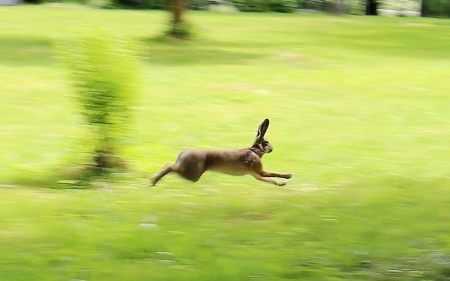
(371, 7)
(178, 28)
(423, 9)
(177, 7)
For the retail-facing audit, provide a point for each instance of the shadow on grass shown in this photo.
(159, 50)
(58, 178)
(25, 51)
(168, 51)
(66, 176)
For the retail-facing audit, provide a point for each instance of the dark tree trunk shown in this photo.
(371, 7)
(424, 11)
(178, 28)
(177, 7)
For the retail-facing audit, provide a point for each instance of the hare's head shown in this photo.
(260, 143)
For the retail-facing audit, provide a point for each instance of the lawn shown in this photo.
(359, 113)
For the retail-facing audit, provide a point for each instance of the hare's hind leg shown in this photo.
(164, 171)
(190, 173)
(190, 170)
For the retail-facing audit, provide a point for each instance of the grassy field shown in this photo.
(359, 113)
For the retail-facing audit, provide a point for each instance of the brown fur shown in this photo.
(192, 163)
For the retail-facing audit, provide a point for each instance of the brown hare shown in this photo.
(192, 163)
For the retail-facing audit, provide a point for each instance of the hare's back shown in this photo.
(233, 162)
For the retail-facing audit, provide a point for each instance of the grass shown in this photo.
(358, 110)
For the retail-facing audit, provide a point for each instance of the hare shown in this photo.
(192, 163)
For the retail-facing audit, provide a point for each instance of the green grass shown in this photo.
(359, 113)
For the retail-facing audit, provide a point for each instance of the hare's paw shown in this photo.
(288, 175)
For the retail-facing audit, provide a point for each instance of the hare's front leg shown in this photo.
(277, 175)
(269, 180)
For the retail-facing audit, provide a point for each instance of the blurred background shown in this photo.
(97, 96)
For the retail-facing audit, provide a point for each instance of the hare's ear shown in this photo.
(262, 128)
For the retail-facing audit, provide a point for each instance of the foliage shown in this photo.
(105, 75)
(436, 8)
(283, 6)
(319, 5)
(83, 2)
(142, 4)
(356, 7)
(198, 4)
(34, 1)
(251, 5)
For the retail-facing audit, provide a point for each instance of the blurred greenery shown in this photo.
(106, 76)
(359, 113)
(436, 8)
(432, 8)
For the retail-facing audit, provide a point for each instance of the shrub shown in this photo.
(105, 74)
(249, 5)
(83, 2)
(284, 6)
(141, 4)
(198, 4)
(436, 8)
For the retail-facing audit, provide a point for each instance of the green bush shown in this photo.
(284, 6)
(198, 4)
(436, 8)
(34, 1)
(105, 75)
(141, 4)
(249, 5)
(83, 2)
